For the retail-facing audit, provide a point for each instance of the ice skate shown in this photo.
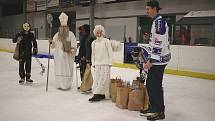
(145, 112)
(156, 116)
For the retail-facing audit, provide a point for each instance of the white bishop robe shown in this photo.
(64, 61)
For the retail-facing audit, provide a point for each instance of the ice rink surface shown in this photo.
(186, 99)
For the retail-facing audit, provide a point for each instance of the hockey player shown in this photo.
(159, 56)
(65, 45)
(25, 38)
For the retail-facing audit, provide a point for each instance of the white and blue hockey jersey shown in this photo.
(159, 42)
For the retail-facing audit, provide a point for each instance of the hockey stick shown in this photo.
(41, 65)
(49, 20)
(76, 74)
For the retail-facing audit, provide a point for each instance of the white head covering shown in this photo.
(97, 28)
(63, 19)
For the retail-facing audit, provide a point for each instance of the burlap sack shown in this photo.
(122, 97)
(113, 88)
(16, 52)
(87, 81)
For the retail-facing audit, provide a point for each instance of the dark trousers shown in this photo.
(25, 67)
(155, 89)
(83, 65)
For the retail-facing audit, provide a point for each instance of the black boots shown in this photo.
(97, 97)
(21, 81)
(156, 116)
(29, 81)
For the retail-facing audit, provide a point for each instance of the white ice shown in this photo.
(186, 99)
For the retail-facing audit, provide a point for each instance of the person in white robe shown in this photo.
(101, 59)
(64, 44)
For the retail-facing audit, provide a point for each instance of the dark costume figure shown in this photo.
(25, 39)
(84, 54)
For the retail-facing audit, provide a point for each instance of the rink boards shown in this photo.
(194, 61)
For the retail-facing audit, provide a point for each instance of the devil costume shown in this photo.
(25, 39)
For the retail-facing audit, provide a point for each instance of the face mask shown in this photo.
(26, 26)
